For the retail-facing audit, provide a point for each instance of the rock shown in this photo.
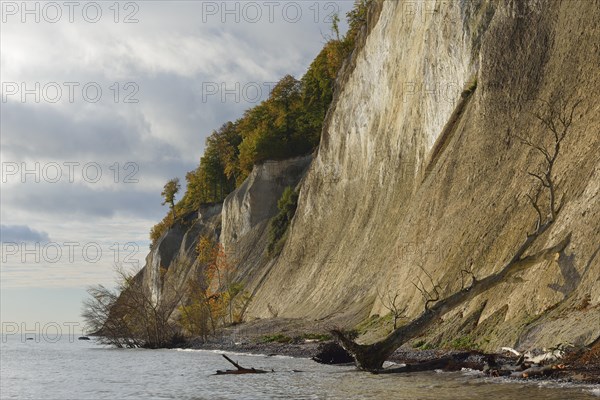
(248, 210)
(332, 353)
(389, 192)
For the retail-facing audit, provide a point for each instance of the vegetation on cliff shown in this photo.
(212, 298)
(135, 315)
(279, 225)
(287, 124)
(130, 316)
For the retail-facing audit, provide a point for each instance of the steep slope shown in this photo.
(241, 223)
(172, 259)
(412, 177)
(248, 210)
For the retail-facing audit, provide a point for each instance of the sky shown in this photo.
(102, 103)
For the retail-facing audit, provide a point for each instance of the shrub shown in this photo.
(470, 87)
(463, 343)
(159, 229)
(287, 205)
(277, 338)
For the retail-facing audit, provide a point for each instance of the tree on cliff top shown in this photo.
(169, 191)
(287, 124)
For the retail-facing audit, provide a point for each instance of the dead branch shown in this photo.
(430, 296)
(451, 362)
(537, 371)
(239, 369)
(558, 120)
(391, 303)
(438, 363)
(469, 273)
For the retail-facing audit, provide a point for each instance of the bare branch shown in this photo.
(534, 201)
(430, 296)
(539, 178)
(391, 303)
(534, 146)
(469, 273)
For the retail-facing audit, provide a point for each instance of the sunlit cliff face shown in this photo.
(415, 179)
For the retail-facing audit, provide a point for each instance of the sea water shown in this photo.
(72, 369)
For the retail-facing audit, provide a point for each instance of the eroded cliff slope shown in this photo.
(411, 176)
(420, 179)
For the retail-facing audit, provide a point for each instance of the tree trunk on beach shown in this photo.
(557, 118)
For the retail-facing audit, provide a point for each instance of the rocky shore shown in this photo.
(579, 366)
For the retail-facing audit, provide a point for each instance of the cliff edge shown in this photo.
(421, 178)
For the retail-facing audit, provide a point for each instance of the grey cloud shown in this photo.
(85, 202)
(169, 54)
(45, 131)
(21, 233)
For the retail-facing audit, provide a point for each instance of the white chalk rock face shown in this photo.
(248, 210)
(415, 175)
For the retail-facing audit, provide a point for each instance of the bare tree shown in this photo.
(429, 295)
(102, 317)
(129, 316)
(557, 118)
(390, 300)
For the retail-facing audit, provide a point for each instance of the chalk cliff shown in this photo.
(420, 176)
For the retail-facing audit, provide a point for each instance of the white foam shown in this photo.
(387, 364)
(471, 372)
(239, 354)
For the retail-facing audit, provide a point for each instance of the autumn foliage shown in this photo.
(285, 125)
(214, 299)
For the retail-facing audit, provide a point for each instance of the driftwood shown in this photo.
(444, 363)
(332, 354)
(537, 371)
(491, 364)
(449, 362)
(524, 367)
(528, 366)
(371, 357)
(240, 370)
(557, 119)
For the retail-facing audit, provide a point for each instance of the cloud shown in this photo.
(169, 55)
(22, 233)
(81, 201)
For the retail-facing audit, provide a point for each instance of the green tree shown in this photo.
(270, 130)
(357, 18)
(287, 124)
(169, 191)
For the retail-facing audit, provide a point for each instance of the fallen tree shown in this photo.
(371, 357)
(557, 118)
(239, 369)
